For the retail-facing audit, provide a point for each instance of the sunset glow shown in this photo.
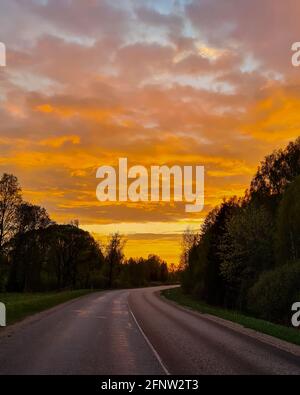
(174, 82)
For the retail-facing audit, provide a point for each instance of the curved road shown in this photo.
(136, 332)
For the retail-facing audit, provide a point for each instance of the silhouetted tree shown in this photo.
(10, 199)
(114, 255)
(246, 249)
(75, 255)
(30, 217)
(236, 245)
(203, 274)
(275, 173)
(189, 239)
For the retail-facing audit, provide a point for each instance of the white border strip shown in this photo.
(150, 344)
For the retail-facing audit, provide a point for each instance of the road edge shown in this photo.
(32, 318)
(262, 337)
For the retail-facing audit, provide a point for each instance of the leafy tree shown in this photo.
(189, 239)
(237, 241)
(27, 245)
(211, 285)
(114, 256)
(246, 249)
(26, 256)
(75, 256)
(30, 217)
(10, 199)
(288, 225)
(56, 257)
(276, 172)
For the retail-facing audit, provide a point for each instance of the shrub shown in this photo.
(274, 293)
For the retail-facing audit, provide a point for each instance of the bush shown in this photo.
(274, 293)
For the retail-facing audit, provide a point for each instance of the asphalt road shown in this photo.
(135, 332)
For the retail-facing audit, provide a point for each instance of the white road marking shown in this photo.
(149, 343)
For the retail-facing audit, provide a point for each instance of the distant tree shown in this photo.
(142, 272)
(10, 199)
(174, 273)
(189, 239)
(164, 273)
(132, 273)
(114, 255)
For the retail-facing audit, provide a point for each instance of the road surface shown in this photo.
(135, 332)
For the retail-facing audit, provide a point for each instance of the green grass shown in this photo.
(21, 305)
(291, 335)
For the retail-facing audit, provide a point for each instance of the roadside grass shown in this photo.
(291, 335)
(21, 305)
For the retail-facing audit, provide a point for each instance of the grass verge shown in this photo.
(291, 335)
(21, 305)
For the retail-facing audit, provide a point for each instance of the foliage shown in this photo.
(274, 293)
(243, 238)
(56, 257)
(288, 224)
(246, 248)
(143, 272)
(114, 257)
(277, 171)
(10, 199)
(30, 217)
(202, 275)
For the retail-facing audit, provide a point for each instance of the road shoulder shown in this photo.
(32, 318)
(262, 337)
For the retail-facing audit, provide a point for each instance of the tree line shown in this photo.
(37, 254)
(247, 253)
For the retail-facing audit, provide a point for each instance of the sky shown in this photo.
(175, 82)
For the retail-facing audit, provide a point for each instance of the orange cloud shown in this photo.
(116, 80)
(275, 117)
(57, 142)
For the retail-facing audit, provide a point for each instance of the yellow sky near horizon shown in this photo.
(144, 239)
